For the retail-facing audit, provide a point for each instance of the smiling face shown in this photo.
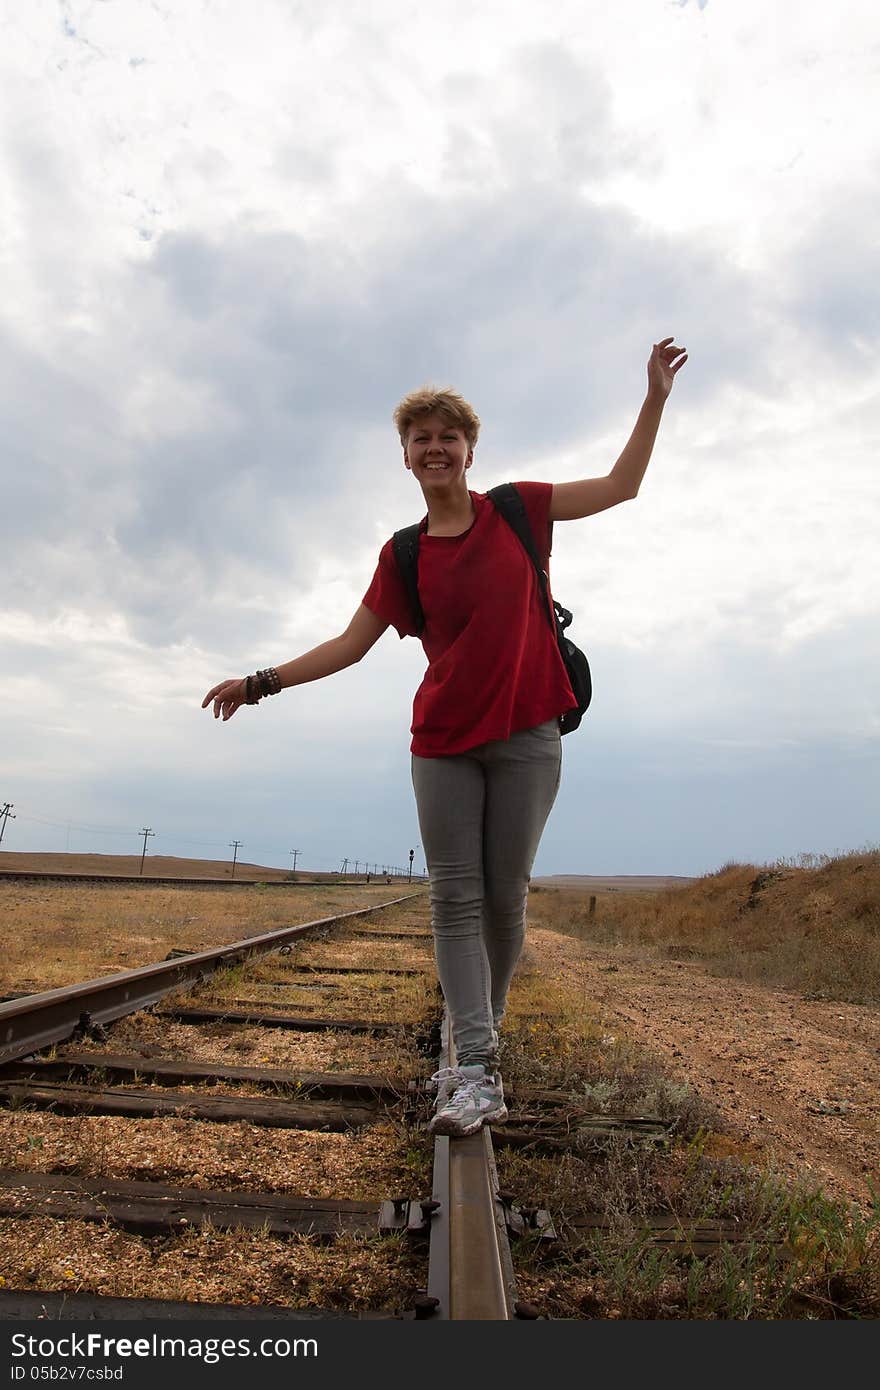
(437, 453)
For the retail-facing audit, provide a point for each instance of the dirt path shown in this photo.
(795, 1079)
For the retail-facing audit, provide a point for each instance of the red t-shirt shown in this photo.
(494, 666)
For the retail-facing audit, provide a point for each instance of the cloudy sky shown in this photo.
(234, 236)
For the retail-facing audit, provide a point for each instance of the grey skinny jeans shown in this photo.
(482, 814)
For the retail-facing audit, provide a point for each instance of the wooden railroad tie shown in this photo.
(293, 1021)
(581, 1133)
(307, 966)
(153, 1208)
(28, 1306)
(68, 1099)
(403, 934)
(126, 1067)
(681, 1235)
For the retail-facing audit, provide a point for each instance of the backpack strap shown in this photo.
(406, 553)
(509, 503)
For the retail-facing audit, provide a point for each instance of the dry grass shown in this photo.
(806, 1257)
(204, 1266)
(59, 933)
(554, 1040)
(383, 998)
(361, 1164)
(228, 1044)
(814, 928)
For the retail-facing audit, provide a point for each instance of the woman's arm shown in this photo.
(571, 501)
(362, 633)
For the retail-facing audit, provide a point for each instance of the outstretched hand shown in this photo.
(227, 697)
(665, 360)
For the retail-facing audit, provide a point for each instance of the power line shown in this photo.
(68, 825)
(75, 825)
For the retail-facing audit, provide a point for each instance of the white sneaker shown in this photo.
(444, 1082)
(476, 1098)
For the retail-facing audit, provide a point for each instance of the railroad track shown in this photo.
(322, 1035)
(59, 1056)
(156, 880)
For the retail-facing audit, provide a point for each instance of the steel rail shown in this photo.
(36, 1021)
(470, 1269)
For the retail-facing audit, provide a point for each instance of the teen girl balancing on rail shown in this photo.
(486, 752)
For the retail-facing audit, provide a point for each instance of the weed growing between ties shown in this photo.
(813, 926)
(690, 1229)
(279, 984)
(803, 1257)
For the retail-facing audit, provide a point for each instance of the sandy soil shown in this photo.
(795, 1080)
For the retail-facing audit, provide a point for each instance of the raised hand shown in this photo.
(665, 360)
(227, 697)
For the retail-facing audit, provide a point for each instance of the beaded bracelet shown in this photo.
(262, 683)
(269, 681)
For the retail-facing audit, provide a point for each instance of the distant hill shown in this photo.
(155, 866)
(618, 883)
(169, 866)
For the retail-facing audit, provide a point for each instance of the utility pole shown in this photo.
(146, 832)
(234, 845)
(6, 813)
(295, 853)
(344, 865)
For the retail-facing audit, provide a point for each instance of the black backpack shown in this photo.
(509, 503)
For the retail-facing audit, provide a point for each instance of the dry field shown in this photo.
(613, 883)
(154, 866)
(62, 933)
(813, 928)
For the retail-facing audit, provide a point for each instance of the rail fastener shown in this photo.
(414, 1217)
(405, 1214)
(526, 1221)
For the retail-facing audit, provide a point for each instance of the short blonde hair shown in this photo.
(431, 400)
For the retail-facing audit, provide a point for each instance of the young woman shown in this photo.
(486, 753)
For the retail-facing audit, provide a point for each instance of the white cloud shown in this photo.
(234, 244)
